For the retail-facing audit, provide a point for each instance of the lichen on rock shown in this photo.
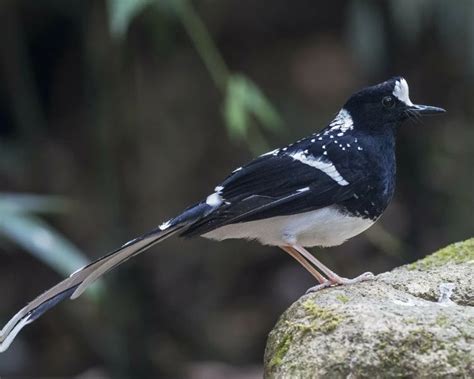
(456, 253)
(415, 321)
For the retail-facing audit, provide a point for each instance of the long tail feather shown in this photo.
(75, 285)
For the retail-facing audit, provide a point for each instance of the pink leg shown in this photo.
(334, 279)
(295, 254)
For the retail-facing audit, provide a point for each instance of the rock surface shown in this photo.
(416, 321)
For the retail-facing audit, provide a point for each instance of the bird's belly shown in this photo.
(322, 227)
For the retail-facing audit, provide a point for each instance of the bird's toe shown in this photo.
(319, 287)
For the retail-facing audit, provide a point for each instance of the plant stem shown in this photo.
(203, 43)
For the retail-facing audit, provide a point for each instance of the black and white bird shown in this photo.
(318, 191)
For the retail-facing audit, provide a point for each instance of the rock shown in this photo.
(416, 321)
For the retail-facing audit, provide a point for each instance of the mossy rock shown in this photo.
(399, 326)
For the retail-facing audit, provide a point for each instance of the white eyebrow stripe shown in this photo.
(324, 165)
(402, 92)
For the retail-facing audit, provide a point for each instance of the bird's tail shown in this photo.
(77, 282)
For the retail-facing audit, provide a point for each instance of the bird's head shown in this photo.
(385, 104)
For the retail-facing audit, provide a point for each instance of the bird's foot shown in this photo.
(337, 280)
(319, 287)
(361, 278)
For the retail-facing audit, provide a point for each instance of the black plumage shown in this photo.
(268, 186)
(321, 190)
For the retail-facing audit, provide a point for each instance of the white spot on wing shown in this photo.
(132, 241)
(325, 166)
(401, 91)
(164, 226)
(303, 189)
(273, 152)
(214, 200)
(237, 169)
(218, 188)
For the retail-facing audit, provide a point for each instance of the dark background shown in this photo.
(131, 129)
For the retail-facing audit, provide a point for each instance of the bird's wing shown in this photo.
(281, 183)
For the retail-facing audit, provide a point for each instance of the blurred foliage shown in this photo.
(367, 35)
(121, 14)
(118, 105)
(243, 99)
(20, 224)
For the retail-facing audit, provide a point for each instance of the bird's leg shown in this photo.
(334, 279)
(295, 254)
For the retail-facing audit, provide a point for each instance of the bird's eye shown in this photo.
(388, 102)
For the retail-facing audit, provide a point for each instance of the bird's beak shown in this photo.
(425, 109)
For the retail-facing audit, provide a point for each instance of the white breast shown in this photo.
(323, 227)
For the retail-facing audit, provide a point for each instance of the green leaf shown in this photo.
(31, 203)
(243, 100)
(258, 104)
(235, 114)
(41, 240)
(121, 14)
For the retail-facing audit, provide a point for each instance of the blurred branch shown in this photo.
(203, 43)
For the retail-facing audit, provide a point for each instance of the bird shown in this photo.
(318, 191)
